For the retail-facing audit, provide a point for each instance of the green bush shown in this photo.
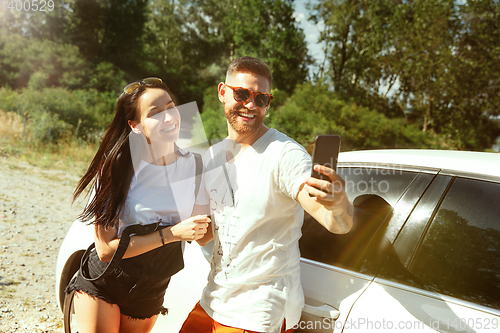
(8, 100)
(213, 118)
(45, 128)
(301, 125)
(314, 110)
(57, 113)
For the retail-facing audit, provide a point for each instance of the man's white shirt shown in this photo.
(254, 282)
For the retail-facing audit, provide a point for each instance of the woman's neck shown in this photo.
(165, 156)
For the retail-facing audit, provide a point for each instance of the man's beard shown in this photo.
(243, 127)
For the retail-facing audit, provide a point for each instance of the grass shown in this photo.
(16, 167)
(68, 154)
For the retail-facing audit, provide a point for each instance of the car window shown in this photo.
(389, 184)
(460, 253)
(395, 266)
(374, 192)
(383, 239)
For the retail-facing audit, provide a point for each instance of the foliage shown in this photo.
(34, 63)
(314, 110)
(65, 155)
(213, 117)
(175, 52)
(105, 76)
(53, 114)
(54, 64)
(265, 29)
(108, 30)
(419, 73)
(438, 60)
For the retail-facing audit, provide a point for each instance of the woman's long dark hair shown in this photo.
(111, 170)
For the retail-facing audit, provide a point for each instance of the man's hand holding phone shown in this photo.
(326, 188)
(329, 193)
(324, 179)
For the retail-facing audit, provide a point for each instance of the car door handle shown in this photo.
(323, 311)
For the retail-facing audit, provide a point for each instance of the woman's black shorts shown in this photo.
(137, 285)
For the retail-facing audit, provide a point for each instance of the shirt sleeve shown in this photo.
(294, 168)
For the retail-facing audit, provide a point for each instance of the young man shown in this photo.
(259, 183)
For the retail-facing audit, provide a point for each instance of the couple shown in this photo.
(257, 182)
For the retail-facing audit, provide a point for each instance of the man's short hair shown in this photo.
(249, 65)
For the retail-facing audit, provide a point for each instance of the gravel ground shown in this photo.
(35, 214)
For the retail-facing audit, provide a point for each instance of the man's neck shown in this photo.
(246, 140)
(238, 143)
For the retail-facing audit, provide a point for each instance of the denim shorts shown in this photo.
(137, 285)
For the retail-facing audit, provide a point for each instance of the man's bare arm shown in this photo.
(332, 209)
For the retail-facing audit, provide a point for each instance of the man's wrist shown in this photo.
(342, 215)
(344, 205)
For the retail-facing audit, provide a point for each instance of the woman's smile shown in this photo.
(170, 128)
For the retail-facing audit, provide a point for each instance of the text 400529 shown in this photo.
(28, 5)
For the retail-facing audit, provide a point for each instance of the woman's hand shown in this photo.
(191, 229)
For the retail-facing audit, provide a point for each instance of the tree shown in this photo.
(191, 42)
(265, 29)
(176, 50)
(54, 64)
(356, 37)
(110, 31)
(314, 110)
(442, 57)
(474, 87)
(449, 74)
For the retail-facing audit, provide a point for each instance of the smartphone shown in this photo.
(326, 152)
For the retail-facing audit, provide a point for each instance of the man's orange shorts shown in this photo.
(199, 321)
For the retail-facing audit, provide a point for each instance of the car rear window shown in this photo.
(459, 255)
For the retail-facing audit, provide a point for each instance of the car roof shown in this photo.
(446, 160)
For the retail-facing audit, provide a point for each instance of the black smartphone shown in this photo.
(326, 152)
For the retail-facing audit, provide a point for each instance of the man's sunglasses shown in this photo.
(131, 87)
(243, 95)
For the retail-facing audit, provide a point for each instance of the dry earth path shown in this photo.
(35, 214)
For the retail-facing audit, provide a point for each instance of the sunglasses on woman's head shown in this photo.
(131, 87)
(243, 95)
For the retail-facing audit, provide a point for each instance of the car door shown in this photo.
(336, 269)
(443, 272)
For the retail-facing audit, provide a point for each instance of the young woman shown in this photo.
(149, 190)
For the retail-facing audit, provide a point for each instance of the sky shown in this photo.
(311, 31)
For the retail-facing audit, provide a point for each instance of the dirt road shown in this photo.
(35, 214)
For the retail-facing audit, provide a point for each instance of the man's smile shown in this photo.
(246, 115)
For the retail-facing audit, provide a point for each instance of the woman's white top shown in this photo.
(162, 192)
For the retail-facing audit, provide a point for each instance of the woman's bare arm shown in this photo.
(106, 241)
